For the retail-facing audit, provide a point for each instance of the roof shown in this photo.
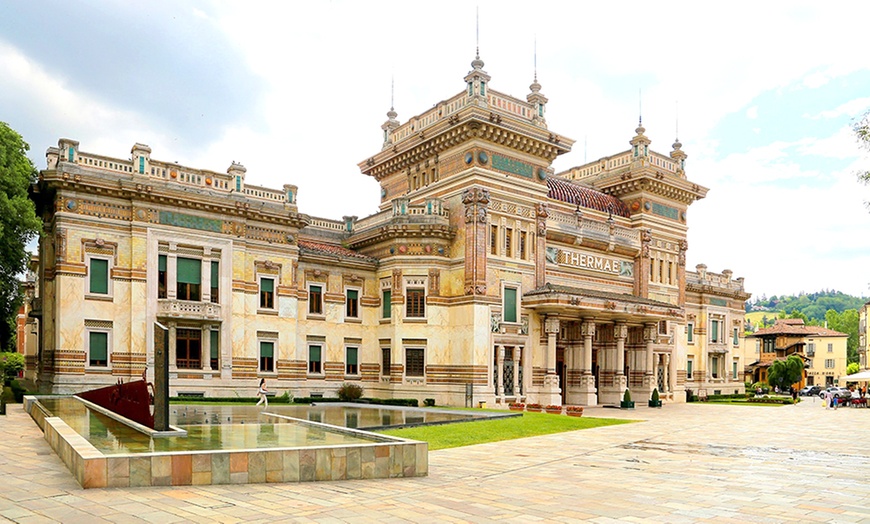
(319, 248)
(594, 293)
(796, 326)
(567, 191)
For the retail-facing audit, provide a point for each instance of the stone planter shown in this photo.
(626, 404)
(555, 411)
(576, 413)
(655, 403)
(534, 409)
(516, 407)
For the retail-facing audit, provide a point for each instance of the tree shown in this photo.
(847, 322)
(852, 368)
(784, 373)
(18, 224)
(862, 133)
(10, 365)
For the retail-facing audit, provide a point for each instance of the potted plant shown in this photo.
(574, 411)
(534, 407)
(654, 401)
(554, 409)
(516, 406)
(626, 403)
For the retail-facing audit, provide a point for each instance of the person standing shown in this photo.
(261, 392)
(827, 399)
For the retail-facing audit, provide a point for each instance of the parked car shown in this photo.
(837, 392)
(808, 391)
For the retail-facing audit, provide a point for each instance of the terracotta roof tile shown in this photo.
(566, 191)
(320, 248)
(796, 326)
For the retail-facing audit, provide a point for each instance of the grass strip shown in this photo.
(479, 432)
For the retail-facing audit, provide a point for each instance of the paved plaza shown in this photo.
(683, 463)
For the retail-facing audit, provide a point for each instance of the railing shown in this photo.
(594, 228)
(263, 193)
(511, 105)
(325, 223)
(188, 309)
(104, 162)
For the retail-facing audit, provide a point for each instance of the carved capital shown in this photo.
(650, 332)
(587, 329)
(620, 331)
(551, 325)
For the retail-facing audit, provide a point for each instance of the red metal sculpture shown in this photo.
(131, 400)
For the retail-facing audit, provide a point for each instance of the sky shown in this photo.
(761, 94)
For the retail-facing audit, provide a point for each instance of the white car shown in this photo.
(837, 392)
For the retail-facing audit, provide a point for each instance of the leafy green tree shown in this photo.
(852, 368)
(10, 365)
(862, 133)
(847, 322)
(18, 224)
(784, 373)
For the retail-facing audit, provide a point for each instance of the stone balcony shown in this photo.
(188, 309)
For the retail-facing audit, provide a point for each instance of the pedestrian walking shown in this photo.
(261, 392)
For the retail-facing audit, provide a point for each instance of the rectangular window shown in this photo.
(70, 154)
(493, 240)
(351, 363)
(238, 183)
(829, 363)
(188, 278)
(99, 276)
(142, 165)
(830, 348)
(671, 277)
(510, 304)
(690, 332)
(267, 293)
(314, 362)
(508, 242)
(386, 359)
(98, 349)
(214, 348)
(188, 348)
(161, 276)
(315, 299)
(415, 307)
(736, 338)
(768, 345)
(663, 327)
(714, 364)
(387, 304)
(482, 88)
(734, 370)
(215, 279)
(413, 362)
(522, 246)
(267, 356)
(714, 331)
(689, 369)
(811, 349)
(351, 305)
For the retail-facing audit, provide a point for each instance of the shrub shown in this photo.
(18, 391)
(554, 407)
(430, 402)
(349, 392)
(10, 365)
(626, 397)
(574, 409)
(655, 395)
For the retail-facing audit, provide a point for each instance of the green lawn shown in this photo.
(479, 432)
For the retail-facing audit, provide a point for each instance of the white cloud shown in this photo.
(815, 80)
(752, 113)
(852, 108)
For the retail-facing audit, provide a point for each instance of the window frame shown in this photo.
(735, 341)
(267, 296)
(690, 369)
(187, 285)
(311, 298)
(215, 277)
(108, 333)
(352, 306)
(214, 345)
(690, 332)
(515, 287)
(348, 371)
(163, 276)
(715, 334)
(420, 303)
(109, 287)
(260, 358)
(386, 363)
(422, 360)
(319, 367)
(386, 304)
(178, 332)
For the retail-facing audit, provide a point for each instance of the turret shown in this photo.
(237, 171)
(141, 158)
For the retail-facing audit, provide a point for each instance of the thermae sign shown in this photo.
(589, 261)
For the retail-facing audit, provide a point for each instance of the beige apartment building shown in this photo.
(484, 274)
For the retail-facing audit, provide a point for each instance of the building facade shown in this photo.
(823, 350)
(484, 274)
(863, 337)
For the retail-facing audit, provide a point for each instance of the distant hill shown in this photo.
(812, 305)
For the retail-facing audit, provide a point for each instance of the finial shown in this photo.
(639, 108)
(392, 93)
(477, 63)
(677, 120)
(536, 58)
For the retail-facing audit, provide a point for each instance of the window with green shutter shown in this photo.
(314, 359)
(352, 303)
(714, 331)
(214, 348)
(188, 278)
(690, 333)
(351, 362)
(215, 279)
(142, 165)
(267, 293)
(510, 304)
(387, 304)
(99, 276)
(98, 348)
(267, 356)
(689, 366)
(161, 276)
(736, 338)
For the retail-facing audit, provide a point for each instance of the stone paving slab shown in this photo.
(682, 463)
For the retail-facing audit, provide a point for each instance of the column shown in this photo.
(668, 373)
(205, 276)
(515, 356)
(172, 275)
(172, 346)
(527, 369)
(650, 380)
(586, 393)
(551, 393)
(499, 361)
(205, 348)
(587, 330)
(620, 332)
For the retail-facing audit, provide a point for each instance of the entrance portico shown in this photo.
(608, 342)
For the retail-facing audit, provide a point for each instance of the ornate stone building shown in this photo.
(483, 272)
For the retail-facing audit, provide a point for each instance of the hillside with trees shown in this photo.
(834, 309)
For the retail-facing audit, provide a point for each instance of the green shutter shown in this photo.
(99, 346)
(314, 353)
(189, 271)
(387, 304)
(141, 164)
(267, 349)
(352, 356)
(510, 304)
(714, 328)
(352, 294)
(161, 262)
(214, 343)
(267, 284)
(735, 337)
(215, 273)
(99, 276)
(691, 335)
(689, 368)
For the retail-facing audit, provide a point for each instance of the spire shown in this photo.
(476, 79)
(391, 122)
(640, 143)
(678, 154)
(477, 63)
(536, 98)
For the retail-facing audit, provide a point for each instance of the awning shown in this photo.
(861, 376)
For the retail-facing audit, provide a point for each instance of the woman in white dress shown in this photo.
(261, 392)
